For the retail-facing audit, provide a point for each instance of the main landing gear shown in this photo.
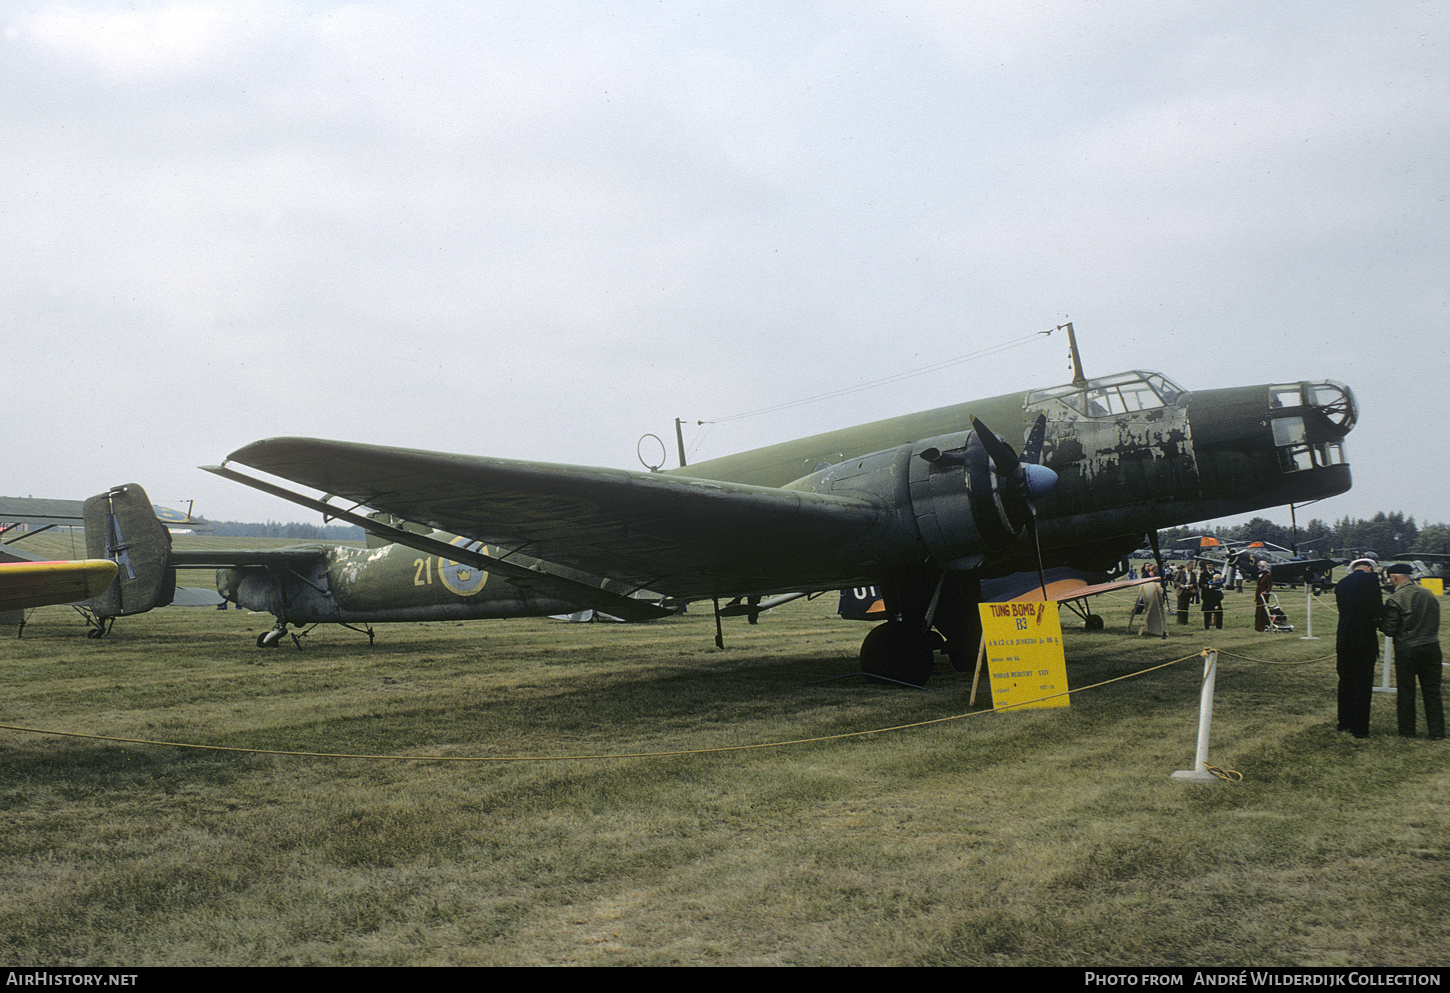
(928, 614)
(270, 639)
(899, 652)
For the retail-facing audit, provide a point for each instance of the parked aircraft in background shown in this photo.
(25, 517)
(1428, 565)
(1287, 568)
(924, 506)
(39, 584)
(315, 583)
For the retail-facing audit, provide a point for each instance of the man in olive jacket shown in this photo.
(1412, 618)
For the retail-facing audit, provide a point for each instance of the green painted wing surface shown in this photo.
(288, 557)
(668, 533)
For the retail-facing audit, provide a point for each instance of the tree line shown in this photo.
(1387, 535)
(292, 529)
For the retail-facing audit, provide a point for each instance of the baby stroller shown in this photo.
(1278, 620)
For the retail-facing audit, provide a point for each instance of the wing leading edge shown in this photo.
(36, 584)
(676, 535)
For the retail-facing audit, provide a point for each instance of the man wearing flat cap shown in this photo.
(1356, 644)
(1412, 618)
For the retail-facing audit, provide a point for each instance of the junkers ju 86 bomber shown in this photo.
(923, 506)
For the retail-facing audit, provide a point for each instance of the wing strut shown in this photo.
(546, 583)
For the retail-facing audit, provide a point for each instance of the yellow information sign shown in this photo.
(1024, 654)
(1435, 586)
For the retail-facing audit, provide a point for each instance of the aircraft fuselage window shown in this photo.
(1289, 431)
(1285, 396)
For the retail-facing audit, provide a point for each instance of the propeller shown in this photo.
(1035, 479)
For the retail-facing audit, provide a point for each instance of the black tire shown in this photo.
(895, 651)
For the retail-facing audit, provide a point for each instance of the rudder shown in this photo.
(122, 527)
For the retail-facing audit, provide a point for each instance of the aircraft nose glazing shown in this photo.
(1334, 401)
(1309, 421)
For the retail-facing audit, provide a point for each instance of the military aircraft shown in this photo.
(28, 516)
(1428, 565)
(1287, 568)
(924, 506)
(315, 583)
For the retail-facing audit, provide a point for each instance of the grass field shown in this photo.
(1049, 837)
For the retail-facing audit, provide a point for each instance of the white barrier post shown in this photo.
(1199, 773)
(1387, 658)
(1308, 609)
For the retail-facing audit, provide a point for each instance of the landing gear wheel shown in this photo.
(1094, 622)
(269, 639)
(897, 652)
(95, 633)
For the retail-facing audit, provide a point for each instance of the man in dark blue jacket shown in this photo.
(1357, 644)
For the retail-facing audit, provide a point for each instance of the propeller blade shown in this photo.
(1032, 450)
(1036, 480)
(1001, 453)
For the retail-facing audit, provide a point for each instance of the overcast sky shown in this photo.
(540, 230)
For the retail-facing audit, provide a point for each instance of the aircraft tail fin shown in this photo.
(122, 527)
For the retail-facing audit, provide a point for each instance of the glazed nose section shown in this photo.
(1309, 422)
(1334, 402)
(1264, 446)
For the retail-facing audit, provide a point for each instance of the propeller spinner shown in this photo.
(1035, 479)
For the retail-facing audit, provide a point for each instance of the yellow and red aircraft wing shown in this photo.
(35, 584)
(1064, 590)
(1064, 585)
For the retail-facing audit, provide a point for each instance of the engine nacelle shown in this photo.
(962, 506)
(952, 503)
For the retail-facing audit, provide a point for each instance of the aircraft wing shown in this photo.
(672, 534)
(1294, 572)
(36, 584)
(1067, 590)
(289, 556)
(27, 510)
(1065, 585)
(71, 513)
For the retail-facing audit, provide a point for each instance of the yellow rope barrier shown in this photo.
(571, 758)
(628, 755)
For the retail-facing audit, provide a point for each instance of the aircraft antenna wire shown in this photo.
(883, 381)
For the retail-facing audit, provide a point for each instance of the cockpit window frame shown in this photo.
(1111, 396)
